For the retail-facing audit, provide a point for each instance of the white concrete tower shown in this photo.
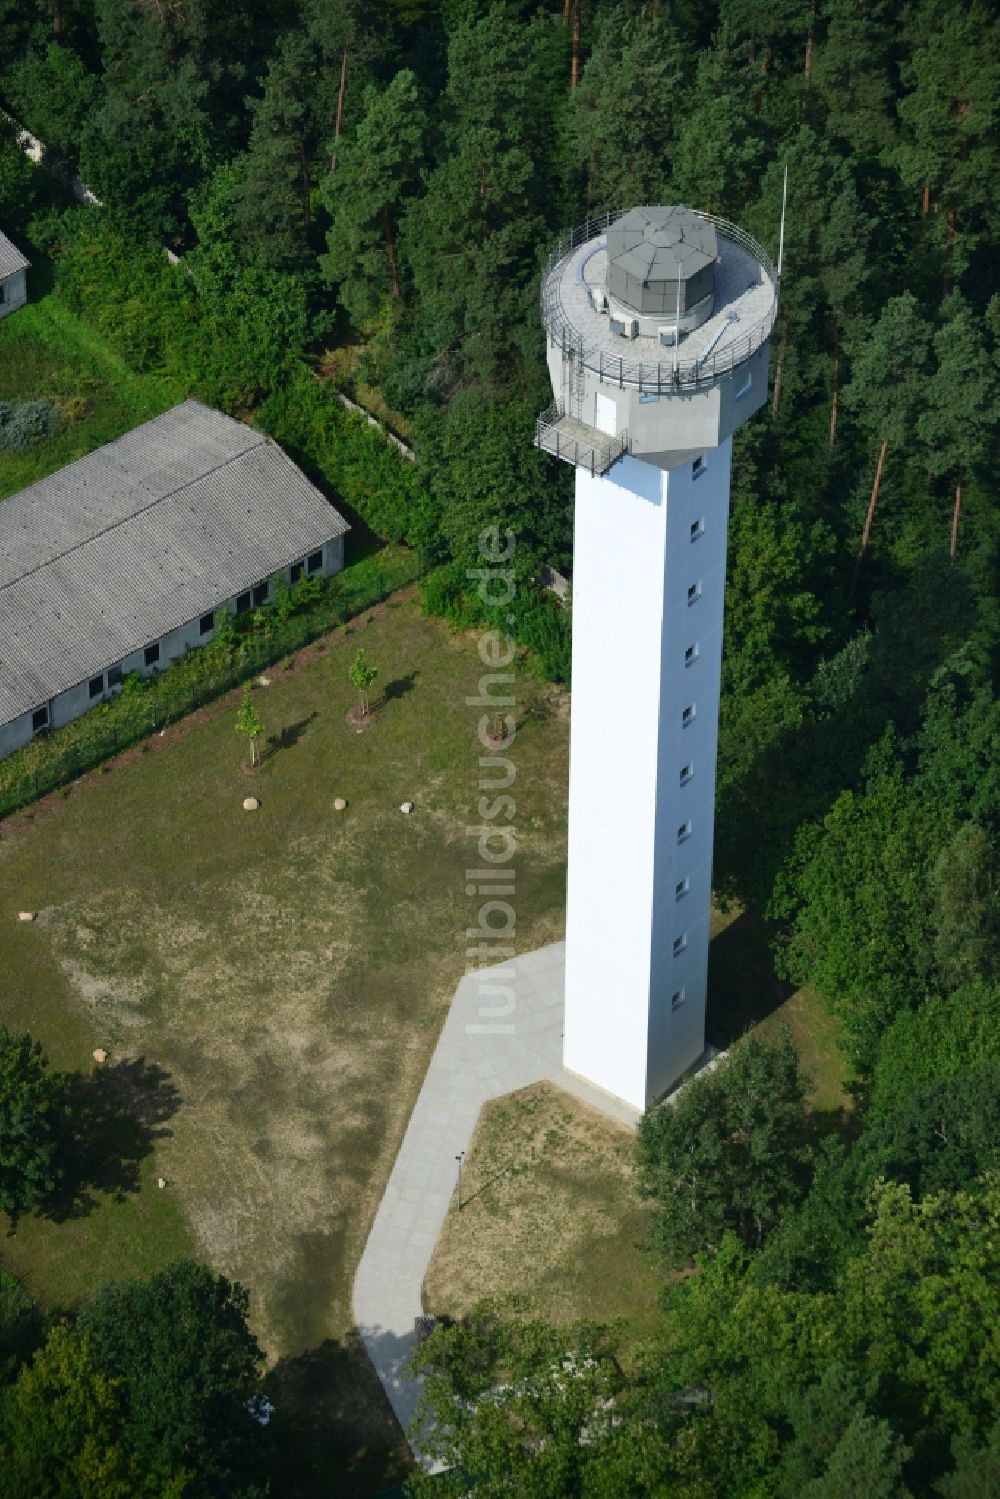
(658, 325)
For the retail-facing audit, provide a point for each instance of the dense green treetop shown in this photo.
(33, 1110)
(179, 1347)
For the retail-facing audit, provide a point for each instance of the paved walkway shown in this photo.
(503, 1031)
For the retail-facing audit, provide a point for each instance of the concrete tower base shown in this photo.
(648, 598)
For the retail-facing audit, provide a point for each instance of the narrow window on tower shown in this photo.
(687, 771)
(745, 388)
(694, 592)
(688, 715)
(698, 467)
(691, 654)
(680, 943)
(681, 888)
(677, 999)
(697, 528)
(684, 831)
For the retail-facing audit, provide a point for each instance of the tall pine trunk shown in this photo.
(304, 162)
(758, 100)
(867, 531)
(340, 108)
(956, 516)
(779, 370)
(949, 246)
(810, 38)
(390, 245)
(836, 387)
(57, 20)
(574, 76)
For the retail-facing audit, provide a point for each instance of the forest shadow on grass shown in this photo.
(743, 988)
(116, 1115)
(342, 1437)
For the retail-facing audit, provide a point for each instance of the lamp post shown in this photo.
(459, 1158)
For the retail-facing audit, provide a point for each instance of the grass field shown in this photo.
(288, 969)
(551, 1218)
(46, 350)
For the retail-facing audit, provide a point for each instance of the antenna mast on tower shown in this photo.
(781, 237)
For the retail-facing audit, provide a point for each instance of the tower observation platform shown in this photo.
(658, 325)
(675, 304)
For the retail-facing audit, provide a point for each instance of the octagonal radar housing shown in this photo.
(661, 263)
(658, 325)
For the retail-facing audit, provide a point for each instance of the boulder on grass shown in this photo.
(339, 804)
(25, 915)
(100, 1055)
(250, 804)
(406, 807)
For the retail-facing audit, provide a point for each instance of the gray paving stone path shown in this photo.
(503, 1032)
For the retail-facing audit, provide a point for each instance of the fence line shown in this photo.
(37, 152)
(133, 719)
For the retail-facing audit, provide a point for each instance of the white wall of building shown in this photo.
(635, 558)
(13, 292)
(76, 700)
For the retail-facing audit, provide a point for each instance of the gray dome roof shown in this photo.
(648, 246)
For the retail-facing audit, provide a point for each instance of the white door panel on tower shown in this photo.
(605, 414)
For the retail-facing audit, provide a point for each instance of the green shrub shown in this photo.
(540, 621)
(20, 1328)
(442, 593)
(23, 423)
(365, 472)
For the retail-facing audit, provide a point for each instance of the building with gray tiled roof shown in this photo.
(13, 276)
(120, 561)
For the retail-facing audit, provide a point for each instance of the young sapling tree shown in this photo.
(248, 723)
(362, 675)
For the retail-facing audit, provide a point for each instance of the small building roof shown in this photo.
(659, 258)
(141, 536)
(11, 259)
(654, 243)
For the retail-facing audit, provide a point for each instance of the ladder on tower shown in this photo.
(573, 375)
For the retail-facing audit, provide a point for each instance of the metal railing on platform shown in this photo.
(650, 376)
(564, 438)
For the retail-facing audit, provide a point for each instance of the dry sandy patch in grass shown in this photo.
(289, 969)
